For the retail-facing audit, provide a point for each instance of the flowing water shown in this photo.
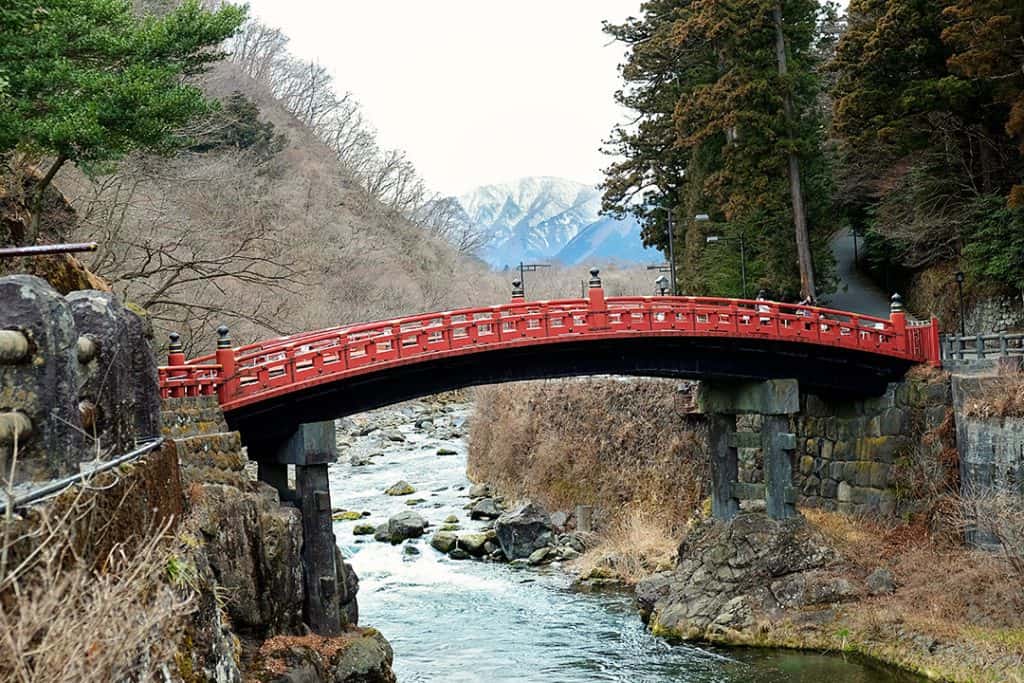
(452, 620)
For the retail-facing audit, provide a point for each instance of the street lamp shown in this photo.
(528, 268)
(960, 291)
(662, 284)
(712, 239)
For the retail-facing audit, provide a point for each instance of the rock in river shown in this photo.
(485, 508)
(473, 543)
(524, 530)
(444, 541)
(406, 525)
(479, 490)
(400, 488)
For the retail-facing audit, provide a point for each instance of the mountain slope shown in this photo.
(538, 218)
(608, 240)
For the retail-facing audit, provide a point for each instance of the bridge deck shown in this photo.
(268, 371)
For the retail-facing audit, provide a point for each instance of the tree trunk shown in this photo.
(37, 198)
(803, 240)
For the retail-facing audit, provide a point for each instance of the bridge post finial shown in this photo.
(896, 304)
(175, 356)
(226, 360)
(517, 289)
(595, 280)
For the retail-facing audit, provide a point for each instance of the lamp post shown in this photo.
(960, 293)
(661, 283)
(528, 268)
(712, 239)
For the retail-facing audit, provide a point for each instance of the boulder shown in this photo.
(382, 534)
(485, 508)
(400, 488)
(394, 436)
(880, 582)
(473, 543)
(444, 541)
(405, 525)
(451, 519)
(459, 554)
(363, 530)
(523, 531)
(447, 451)
(479, 490)
(559, 519)
(539, 556)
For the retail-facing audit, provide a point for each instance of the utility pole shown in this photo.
(529, 268)
(803, 241)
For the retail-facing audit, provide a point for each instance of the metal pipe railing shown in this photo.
(61, 484)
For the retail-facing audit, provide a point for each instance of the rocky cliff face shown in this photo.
(244, 551)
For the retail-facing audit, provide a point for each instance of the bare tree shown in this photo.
(190, 262)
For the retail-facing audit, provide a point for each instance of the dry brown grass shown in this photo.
(638, 542)
(1003, 397)
(621, 446)
(67, 620)
(944, 588)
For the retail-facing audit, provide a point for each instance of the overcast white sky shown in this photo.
(476, 91)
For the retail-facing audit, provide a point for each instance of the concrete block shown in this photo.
(785, 441)
(826, 449)
(771, 397)
(879, 475)
(891, 422)
(745, 440)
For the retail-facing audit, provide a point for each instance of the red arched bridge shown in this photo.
(268, 388)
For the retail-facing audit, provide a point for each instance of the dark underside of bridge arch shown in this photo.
(823, 370)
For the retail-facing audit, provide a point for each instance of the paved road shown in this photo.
(856, 291)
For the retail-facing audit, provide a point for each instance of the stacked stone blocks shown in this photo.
(851, 449)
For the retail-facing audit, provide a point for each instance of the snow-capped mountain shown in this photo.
(534, 219)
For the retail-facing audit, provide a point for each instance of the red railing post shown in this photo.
(597, 319)
(935, 344)
(175, 356)
(226, 360)
(898, 317)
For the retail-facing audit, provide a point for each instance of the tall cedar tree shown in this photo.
(87, 81)
(712, 134)
(925, 100)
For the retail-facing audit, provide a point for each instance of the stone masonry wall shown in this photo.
(849, 450)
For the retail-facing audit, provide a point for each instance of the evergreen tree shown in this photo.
(925, 97)
(87, 81)
(725, 146)
(987, 42)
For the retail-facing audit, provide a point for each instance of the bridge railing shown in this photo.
(244, 374)
(982, 347)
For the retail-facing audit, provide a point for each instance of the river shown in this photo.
(452, 620)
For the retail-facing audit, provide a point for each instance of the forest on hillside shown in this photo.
(901, 119)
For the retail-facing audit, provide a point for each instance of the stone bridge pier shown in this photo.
(309, 449)
(775, 401)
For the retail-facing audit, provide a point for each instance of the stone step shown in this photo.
(222, 450)
(186, 417)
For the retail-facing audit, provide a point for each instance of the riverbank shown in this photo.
(905, 594)
(474, 618)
